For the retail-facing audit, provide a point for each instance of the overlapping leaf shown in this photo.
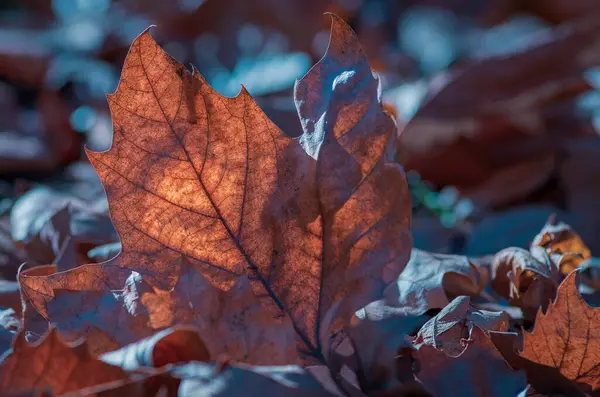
(198, 180)
(239, 380)
(449, 329)
(484, 126)
(232, 322)
(528, 279)
(171, 346)
(479, 371)
(560, 238)
(431, 281)
(51, 363)
(567, 336)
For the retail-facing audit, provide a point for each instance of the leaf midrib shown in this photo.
(315, 351)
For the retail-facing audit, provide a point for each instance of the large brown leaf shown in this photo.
(567, 337)
(198, 180)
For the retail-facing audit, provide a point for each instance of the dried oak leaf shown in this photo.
(479, 371)
(431, 281)
(449, 329)
(527, 279)
(560, 238)
(198, 179)
(567, 337)
(52, 363)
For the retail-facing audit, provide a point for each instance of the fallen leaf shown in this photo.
(383, 354)
(171, 346)
(239, 380)
(54, 364)
(197, 178)
(560, 238)
(108, 319)
(33, 209)
(545, 379)
(231, 322)
(488, 116)
(523, 279)
(567, 336)
(479, 371)
(448, 329)
(53, 243)
(34, 323)
(431, 281)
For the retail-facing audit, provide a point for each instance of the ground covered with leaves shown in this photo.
(253, 263)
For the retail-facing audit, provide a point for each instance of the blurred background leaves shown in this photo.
(496, 102)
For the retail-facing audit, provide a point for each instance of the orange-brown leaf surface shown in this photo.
(567, 336)
(528, 279)
(543, 378)
(54, 364)
(231, 322)
(560, 238)
(195, 179)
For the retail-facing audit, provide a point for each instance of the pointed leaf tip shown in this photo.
(343, 41)
(567, 336)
